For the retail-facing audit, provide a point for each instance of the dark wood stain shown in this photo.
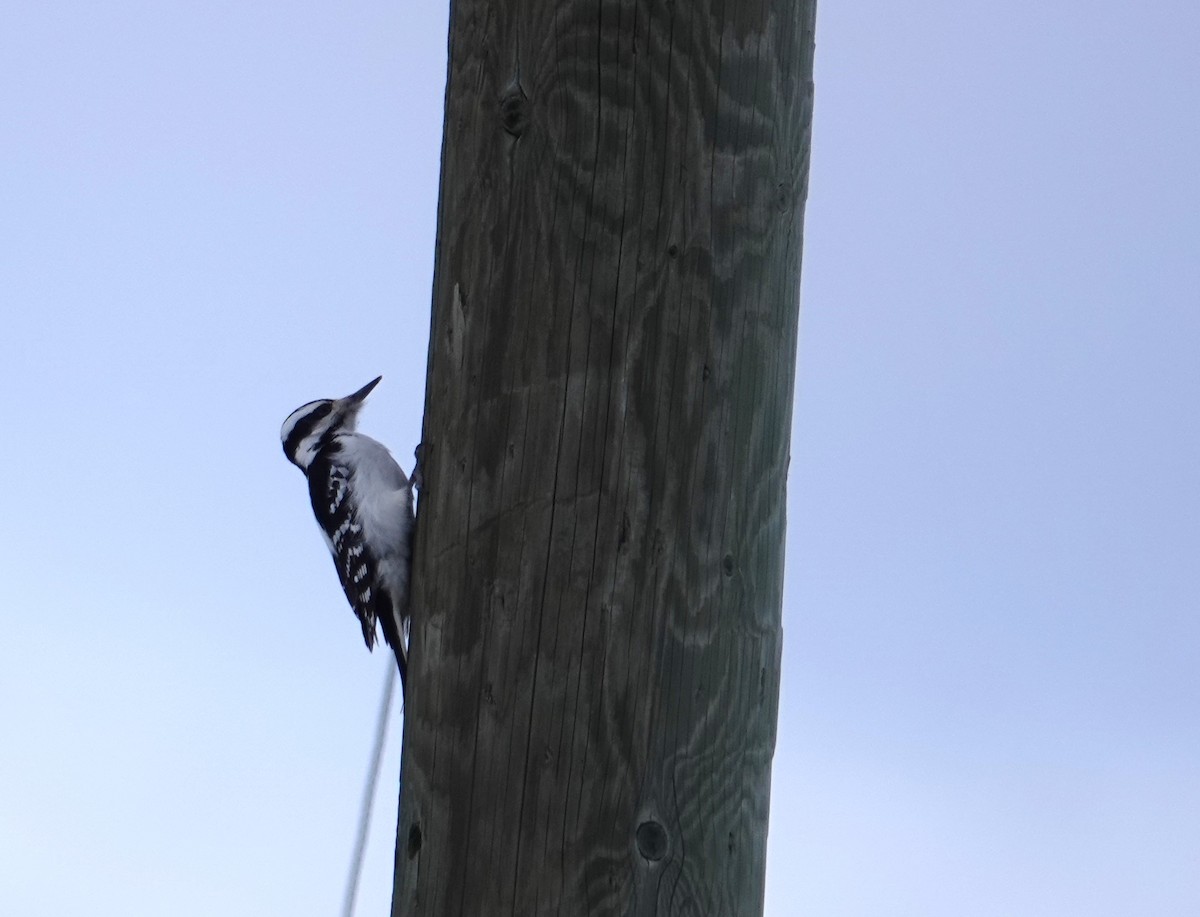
(596, 638)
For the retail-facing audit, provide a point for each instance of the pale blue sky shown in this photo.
(991, 689)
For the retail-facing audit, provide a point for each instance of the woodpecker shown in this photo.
(364, 505)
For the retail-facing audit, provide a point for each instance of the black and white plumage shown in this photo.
(364, 504)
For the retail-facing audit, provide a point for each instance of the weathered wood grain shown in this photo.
(595, 652)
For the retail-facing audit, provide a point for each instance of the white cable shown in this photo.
(368, 799)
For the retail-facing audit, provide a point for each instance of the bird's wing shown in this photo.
(329, 489)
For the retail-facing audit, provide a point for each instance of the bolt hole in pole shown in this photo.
(414, 840)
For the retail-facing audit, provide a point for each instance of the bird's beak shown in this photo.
(353, 401)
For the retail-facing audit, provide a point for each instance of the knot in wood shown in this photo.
(652, 840)
(514, 109)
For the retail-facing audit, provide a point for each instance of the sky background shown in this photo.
(991, 690)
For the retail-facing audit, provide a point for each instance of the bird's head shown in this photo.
(312, 425)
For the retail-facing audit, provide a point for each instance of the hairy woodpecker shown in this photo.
(364, 505)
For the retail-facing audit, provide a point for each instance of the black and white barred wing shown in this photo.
(329, 489)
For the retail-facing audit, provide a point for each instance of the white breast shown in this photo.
(385, 504)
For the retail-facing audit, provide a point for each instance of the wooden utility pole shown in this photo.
(596, 641)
